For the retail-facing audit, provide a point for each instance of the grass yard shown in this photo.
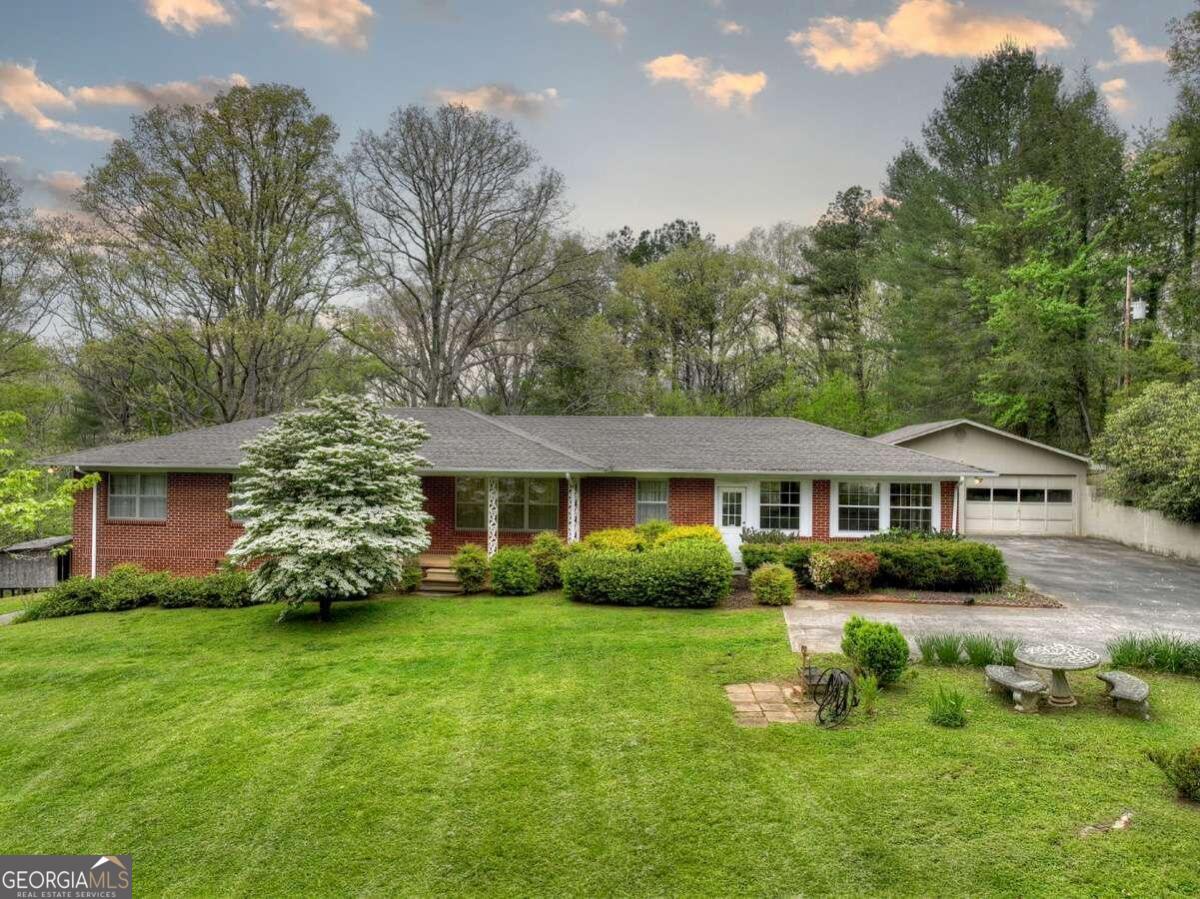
(15, 603)
(531, 747)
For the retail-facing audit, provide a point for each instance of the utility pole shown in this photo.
(1128, 322)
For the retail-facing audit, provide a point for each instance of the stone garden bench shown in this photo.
(1127, 691)
(1025, 690)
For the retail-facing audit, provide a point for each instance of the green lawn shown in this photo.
(14, 603)
(531, 747)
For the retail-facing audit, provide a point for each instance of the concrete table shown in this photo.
(1058, 659)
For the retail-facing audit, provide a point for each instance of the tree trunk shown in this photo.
(326, 612)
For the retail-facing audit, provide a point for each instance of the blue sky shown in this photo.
(732, 112)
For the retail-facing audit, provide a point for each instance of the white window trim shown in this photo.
(753, 509)
(139, 475)
(885, 503)
(637, 502)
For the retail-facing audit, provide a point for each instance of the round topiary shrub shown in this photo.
(773, 585)
(513, 573)
(875, 648)
(547, 551)
(470, 566)
(1182, 769)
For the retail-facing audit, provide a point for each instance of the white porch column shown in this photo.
(572, 509)
(493, 516)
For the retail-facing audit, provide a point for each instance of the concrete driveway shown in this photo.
(1107, 589)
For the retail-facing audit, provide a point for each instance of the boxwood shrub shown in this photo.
(547, 551)
(940, 565)
(128, 587)
(690, 532)
(470, 566)
(875, 648)
(623, 539)
(683, 574)
(513, 573)
(773, 585)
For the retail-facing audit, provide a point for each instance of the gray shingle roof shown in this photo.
(41, 544)
(465, 441)
(909, 432)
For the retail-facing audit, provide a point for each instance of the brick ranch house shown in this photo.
(497, 480)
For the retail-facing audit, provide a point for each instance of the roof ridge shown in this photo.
(495, 421)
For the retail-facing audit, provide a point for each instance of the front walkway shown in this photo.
(1107, 590)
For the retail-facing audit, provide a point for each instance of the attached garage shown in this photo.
(1038, 490)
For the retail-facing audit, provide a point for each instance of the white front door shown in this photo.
(731, 517)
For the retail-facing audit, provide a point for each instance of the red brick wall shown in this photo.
(949, 488)
(820, 510)
(690, 500)
(192, 540)
(445, 538)
(606, 503)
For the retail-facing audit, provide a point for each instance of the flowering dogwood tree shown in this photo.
(331, 503)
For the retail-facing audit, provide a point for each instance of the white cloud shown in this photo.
(1131, 51)
(613, 2)
(1085, 9)
(188, 15)
(27, 96)
(719, 86)
(502, 98)
(728, 26)
(945, 28)
(341, 23)
(602, 22)
(1114, 93)
(170, 93)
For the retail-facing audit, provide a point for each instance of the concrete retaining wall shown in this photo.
(1135, 527)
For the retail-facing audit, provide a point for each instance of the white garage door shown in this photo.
(1023, 505)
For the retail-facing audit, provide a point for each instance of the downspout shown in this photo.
(92, 552)
(962, 480)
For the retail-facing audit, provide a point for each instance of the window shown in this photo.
(1033, 496)
(979, 494)
(470, 504)
(1004, 495)
(779, 506)
(1058, 496)
(652, 501)
(858, 506)
(526, 504)
(912, 506)
(141, 497)
(731, 508)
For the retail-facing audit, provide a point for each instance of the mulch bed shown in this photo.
(742, 598)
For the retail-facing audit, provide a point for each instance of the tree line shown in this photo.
(229, 263)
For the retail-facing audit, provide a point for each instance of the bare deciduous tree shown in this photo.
(28, 282)
(455, 223)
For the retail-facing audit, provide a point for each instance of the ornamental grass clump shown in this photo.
(948, 707)
(1168, 653)
(773, 585)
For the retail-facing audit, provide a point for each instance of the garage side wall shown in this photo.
(1145, 530)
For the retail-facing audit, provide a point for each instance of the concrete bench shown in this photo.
(1127, 692)
(1025, 690)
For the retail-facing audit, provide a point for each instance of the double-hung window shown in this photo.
(858, 506)
(911, 506)
(652, 500)
(779, 505)
(525, 504)
(137, 497)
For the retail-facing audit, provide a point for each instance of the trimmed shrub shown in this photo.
(847, 570)
(74, 596)
(229, 588)
(126, 587)
(684, 574)
(875, 648)
(547, 550)
(948, 707)
(182, 592)
(470, 565)
(513, 573)
(704, 532)
(622, 539)
(756, 535)
(1182, 769)
(939, 564)
(411, 576)
(773, 585)
(897, 535)
(755, 555)
(651, 530)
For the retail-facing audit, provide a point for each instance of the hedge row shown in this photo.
(128, 587)
(693, 573)
(915, 564)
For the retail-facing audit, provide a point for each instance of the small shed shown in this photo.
(34, 565)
